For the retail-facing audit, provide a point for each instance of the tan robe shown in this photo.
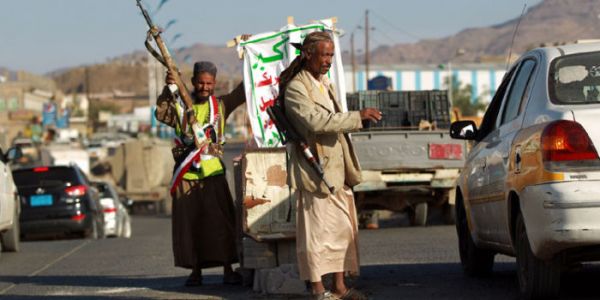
(326, 226)
(326, 234)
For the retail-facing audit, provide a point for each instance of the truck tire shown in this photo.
(449, 213)
(418, 214)
(538, 279)
(11, 238)
(476, 262)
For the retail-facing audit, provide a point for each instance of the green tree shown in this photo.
(461, 98)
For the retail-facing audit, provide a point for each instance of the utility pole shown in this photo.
(87, 82)
(367, 46)
(352, 58)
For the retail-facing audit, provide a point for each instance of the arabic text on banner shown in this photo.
(265, 57)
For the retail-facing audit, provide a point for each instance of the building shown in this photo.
(484, 78)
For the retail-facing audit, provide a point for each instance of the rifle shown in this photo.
(288, 133)
(165, 59)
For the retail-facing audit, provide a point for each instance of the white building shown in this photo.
(483, 78)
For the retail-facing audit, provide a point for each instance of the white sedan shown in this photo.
(530, 187)
(117, 222)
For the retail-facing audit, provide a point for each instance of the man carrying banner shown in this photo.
(327, 231)
(203, 220)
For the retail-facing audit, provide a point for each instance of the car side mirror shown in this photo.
(463, 130)
(14, 153)
(127, 202)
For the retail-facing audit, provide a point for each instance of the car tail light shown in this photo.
(40, 169)
(445, 151)
(567, 141)
(109, 210)
(76, 190)
(78, 217)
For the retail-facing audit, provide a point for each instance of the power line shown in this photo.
(382, 18)
(387, 36)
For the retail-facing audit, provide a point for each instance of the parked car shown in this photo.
(58, 199)
(9, 203)
(117, 222)
(530, 185)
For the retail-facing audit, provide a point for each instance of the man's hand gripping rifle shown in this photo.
(288, 133)
(164, 57)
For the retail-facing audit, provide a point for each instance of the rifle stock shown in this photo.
(288, 133)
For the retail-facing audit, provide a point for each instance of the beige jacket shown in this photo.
(325, 132)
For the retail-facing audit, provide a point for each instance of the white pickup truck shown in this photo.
(409, 161)
(9, 203)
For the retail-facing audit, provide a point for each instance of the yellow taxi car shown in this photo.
(530, 186)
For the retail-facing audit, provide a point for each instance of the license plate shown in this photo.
(40, 200)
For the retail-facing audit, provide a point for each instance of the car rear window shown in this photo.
(575, 79)
(33, 177)
(102, 189)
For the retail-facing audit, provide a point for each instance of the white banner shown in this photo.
(265, 57)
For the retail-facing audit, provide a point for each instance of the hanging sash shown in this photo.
(194, 158)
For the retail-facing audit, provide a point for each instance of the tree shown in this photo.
(461, 98)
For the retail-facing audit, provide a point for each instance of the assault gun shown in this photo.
(164, 57)
(288, 133)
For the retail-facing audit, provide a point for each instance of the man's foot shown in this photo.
(195, 279)
(326, 295)
(353, 294)
(233, 278)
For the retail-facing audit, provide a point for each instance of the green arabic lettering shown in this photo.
(273, 58)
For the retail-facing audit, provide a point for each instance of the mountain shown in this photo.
(551, 21)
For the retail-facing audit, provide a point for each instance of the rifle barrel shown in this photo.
(145, 13)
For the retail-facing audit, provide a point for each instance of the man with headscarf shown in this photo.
(203, 217)
(326, 231)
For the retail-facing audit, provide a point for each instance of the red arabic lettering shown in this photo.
(268, 80)
(265, 104)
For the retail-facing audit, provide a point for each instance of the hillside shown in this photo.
(548, 22)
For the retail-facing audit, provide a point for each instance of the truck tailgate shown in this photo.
(408, 150)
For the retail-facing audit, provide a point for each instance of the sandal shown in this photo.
(353, 294)
(233, 278)
(194, 279)
(326, 295)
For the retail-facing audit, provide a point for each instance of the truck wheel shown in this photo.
(476, 262)
(166, 207)
(538, 279)
(372, 220)
(11, 238)
(449, 213)
(418, 214)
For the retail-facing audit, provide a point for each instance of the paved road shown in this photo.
(397, 263)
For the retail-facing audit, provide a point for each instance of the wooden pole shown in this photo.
(367, 47)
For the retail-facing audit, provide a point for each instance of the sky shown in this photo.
(41, 36)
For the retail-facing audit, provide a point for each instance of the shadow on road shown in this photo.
(119, 287)
(446, 281)
(398, 281)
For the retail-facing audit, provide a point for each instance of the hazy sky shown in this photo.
(44, 35)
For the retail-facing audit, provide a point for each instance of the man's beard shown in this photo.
(200, 98)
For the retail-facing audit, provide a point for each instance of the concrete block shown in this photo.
(286, 252)
(258, 255)
(281, 280)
